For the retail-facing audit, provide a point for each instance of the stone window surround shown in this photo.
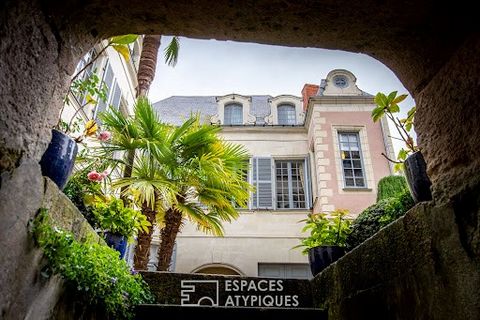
(233, 98)
(272, 118)
(370, 185)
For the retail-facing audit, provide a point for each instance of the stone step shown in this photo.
(157, 311)
(228, 291)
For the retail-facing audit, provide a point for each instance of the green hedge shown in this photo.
(377, 216)
(391, 186)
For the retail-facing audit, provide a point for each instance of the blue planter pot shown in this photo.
(321, 257)
(117, 242)
(417, 178)
(57, 161)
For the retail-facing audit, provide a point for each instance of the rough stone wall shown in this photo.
(25, 293)
(431, 46)
(416, 268)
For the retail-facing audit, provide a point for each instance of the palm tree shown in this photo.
(145, 76)
(179, 173)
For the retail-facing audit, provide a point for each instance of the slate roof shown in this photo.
(176, 109)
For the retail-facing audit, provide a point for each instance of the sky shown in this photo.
(216, 68)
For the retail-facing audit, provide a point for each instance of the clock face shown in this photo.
(340, 81)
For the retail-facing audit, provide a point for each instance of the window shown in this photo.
(87, 72)
(114, 93)
(352, 165)
(290, 184)
(284, 270)
(233, 114)
(286, 114)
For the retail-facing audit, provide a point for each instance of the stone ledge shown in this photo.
(415, 268)
(167, 287)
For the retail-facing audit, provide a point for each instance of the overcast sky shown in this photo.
(209, 67)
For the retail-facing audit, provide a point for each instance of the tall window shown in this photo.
(290, 184)
(352, 165)
(286, 114)
(233, 114)
(114, 93)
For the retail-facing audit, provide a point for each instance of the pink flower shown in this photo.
(104, 136)
(95, 176)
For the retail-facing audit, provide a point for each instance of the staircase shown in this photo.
(216, 297)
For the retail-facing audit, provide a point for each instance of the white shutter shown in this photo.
(262, 180)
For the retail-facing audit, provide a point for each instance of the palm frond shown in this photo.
(171, 52)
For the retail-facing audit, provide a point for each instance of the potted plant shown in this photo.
(326, 242)
(410, 158)
(118, 223)
(58, 160)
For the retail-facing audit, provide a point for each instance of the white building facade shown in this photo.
(314, 153)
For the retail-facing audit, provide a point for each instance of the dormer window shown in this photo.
(233, 114)
(286, 114)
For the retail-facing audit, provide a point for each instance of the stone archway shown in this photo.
(433, 48)
(218, 268)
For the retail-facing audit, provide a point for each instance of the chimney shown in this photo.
(308, 91)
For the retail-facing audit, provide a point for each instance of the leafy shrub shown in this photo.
(112, 216)
(95, 270)
(391, 186)
(325, 230)
(377, 216)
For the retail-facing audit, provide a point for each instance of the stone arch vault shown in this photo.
(432, 47)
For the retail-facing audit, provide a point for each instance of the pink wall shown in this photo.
(355, 201)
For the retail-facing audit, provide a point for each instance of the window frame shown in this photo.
(232, 105)
(306, 187)
(292, 108)
(362, 163)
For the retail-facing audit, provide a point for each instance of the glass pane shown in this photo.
(357, 164)
(352, 138)
(354, 147)
(355, 154)
(349, 182)
(233, 114)
(344, 146)
(360, 182)
(343, 137)
(358, 173)
(286, 115)
(347, 164)
(348, 173)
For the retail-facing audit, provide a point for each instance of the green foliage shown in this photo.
(391, 186)
(94, 270)
(171, 52)
(89, 87)
(388, 106)
(112, 216)
(325, 230)
(120, 44)
(188, 168)
(372, 219)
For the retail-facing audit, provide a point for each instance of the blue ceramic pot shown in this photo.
(417, 178)
(117, 242)
(57, 161)
(321, 257)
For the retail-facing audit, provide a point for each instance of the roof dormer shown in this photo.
(341, 82)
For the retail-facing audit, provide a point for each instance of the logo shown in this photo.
(188, 289)
(236, 293)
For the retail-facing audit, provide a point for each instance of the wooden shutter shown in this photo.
(262, 180)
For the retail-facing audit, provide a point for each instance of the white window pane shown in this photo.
(233, 114)
(286, 114)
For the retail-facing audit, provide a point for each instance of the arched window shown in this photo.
(286, 114)
(233, 114)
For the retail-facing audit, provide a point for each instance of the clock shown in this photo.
(340, 81)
